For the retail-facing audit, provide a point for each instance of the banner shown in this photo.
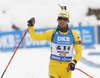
(10, 40)
(99, 34)
(86, 34)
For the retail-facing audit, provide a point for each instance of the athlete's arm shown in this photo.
(77, 46)
(42, 36)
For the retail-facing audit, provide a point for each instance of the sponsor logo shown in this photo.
(62, 14)
(63, 52)
(63, 39)
(61, 58)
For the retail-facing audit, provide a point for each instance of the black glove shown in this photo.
(71, 67)
(31, 22)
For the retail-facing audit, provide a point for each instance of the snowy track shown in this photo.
(33, 63)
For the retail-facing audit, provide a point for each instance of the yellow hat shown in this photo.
(64, 13)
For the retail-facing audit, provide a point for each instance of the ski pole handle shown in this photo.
(14, 53)
(84, 72)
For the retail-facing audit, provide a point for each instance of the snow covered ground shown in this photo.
(34, 63)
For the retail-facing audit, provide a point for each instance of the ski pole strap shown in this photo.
(79, 42)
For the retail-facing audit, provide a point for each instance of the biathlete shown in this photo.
(63, 40)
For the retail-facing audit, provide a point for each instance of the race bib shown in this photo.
(61, 52)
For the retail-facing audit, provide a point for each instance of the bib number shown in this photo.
(63, 48)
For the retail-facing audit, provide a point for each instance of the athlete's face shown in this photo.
(62, 22)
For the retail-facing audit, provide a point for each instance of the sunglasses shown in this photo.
(64, 19)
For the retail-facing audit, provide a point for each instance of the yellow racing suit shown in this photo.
(57, 69)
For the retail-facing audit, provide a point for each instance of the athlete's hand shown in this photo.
(71, 67)
(31, 22)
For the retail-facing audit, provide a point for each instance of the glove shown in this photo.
(71, 67)
(31, 22)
